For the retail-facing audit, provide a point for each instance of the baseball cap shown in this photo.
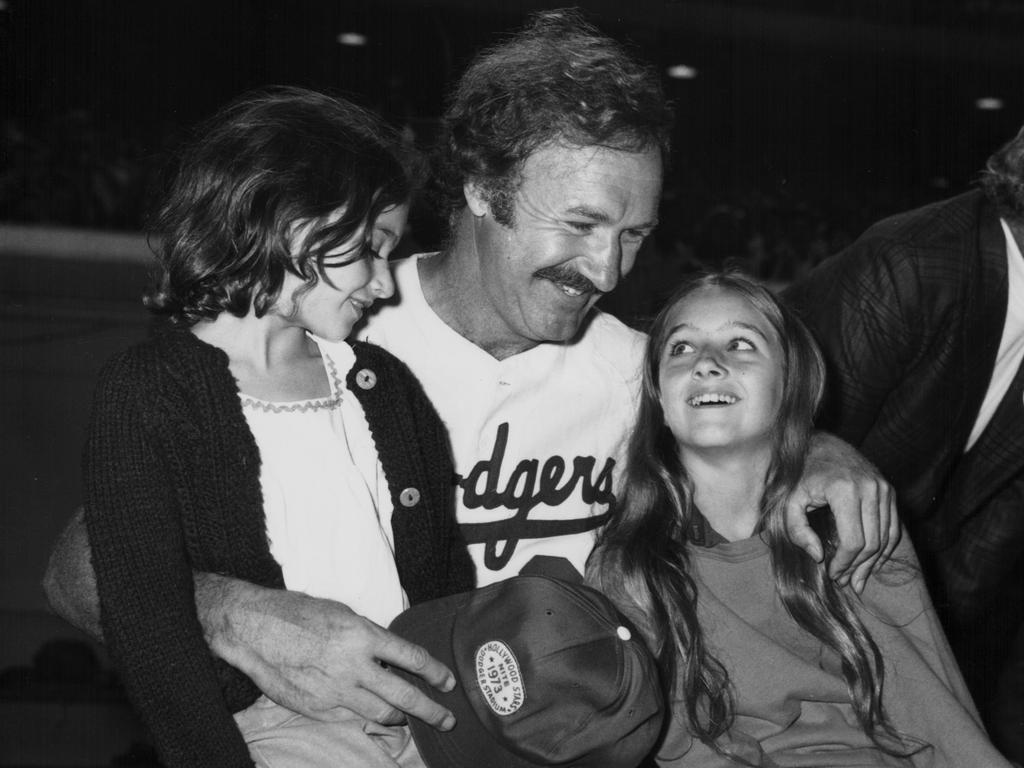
(548, 673)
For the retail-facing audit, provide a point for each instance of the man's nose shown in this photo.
(603, 264)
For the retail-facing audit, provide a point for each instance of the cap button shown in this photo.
(410, 497)
(366, 379)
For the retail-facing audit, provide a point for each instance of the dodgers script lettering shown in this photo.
(530, 484)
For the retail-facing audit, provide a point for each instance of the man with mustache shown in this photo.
(551, 165)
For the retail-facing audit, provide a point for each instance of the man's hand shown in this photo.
(862, 502)
(306, 654)
(313, 655)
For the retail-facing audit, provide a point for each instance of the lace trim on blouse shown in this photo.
(303, 406)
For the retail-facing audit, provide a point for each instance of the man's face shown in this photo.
(579, 217)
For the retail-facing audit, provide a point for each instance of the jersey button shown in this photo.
(410, 497)
(366, 379)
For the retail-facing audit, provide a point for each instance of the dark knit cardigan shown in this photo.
(171, 484)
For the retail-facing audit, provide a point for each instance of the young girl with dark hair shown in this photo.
(768, 662)
(249, 439)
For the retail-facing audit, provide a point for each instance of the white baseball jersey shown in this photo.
(538, 438)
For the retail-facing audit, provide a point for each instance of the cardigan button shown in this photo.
(366, 379)
(410, 497)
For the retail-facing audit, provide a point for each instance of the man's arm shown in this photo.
(70, 582)
(863, 504)
(308, 654)
(866, 327)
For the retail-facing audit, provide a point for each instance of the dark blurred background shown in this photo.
(837, 109)
(799, 122)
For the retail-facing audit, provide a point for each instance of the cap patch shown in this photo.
(497, 674)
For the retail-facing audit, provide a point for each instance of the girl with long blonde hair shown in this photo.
(766, 659)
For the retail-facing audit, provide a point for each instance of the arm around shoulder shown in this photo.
(862, 502)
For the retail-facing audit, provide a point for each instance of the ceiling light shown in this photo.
(354, 39)
(682, 72)
(989, 104)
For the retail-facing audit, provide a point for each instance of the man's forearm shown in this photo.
(237, 617)
(308, 654)
(70, 586)
(229, 612)
(70, 582)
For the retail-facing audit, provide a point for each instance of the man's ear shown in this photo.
(476, 199)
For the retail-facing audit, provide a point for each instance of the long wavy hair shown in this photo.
(223, 231)
(644, 547)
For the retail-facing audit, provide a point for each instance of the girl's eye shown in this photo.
(337, 263)
(679, 348)
(742, 345)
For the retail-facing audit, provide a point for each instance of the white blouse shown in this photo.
(326, 499)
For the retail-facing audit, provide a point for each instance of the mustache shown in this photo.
(566, 276)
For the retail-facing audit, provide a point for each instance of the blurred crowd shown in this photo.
(75, 170)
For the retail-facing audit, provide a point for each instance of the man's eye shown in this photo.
(582, 226)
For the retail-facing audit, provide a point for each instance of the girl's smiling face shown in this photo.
(720, 374)
(359, 275)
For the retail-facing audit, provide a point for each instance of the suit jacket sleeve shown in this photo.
(863, 307)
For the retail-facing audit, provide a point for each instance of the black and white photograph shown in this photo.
(511, 384)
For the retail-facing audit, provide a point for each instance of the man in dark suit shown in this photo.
(922, 323)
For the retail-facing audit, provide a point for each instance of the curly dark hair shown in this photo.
(272, 159)
(1003, 179)
(558, 79)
